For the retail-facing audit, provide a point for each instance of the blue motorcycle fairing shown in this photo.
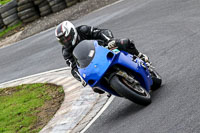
(125, 59)
(98, 66)
(101, 63)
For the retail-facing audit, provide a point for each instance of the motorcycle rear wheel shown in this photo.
(136, 94)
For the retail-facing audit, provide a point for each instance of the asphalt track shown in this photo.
(166, 30)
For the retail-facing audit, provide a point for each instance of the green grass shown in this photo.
(8, 29)
(18, 108)
(2, 2)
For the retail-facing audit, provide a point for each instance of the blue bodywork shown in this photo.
(104, 59)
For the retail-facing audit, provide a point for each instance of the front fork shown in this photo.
(123, 75)
(127, 77)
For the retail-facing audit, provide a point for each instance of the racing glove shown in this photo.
(111, 44)
(143, 57)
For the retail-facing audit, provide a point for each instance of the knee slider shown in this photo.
(125, 41)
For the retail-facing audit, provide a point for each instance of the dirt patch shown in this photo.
(10, 39)
(44, 23)
(8, 91)
(48, 110)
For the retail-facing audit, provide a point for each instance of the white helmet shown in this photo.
(66, 33)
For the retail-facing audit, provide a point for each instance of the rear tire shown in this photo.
(125, 90)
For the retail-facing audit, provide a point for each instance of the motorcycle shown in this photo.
(116, 72)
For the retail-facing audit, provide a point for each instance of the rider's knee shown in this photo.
(123, 44)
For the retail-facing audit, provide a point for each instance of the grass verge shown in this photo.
(2, 2)
(28, 108)
(10, 30)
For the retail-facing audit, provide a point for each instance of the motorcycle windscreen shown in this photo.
(84, 53)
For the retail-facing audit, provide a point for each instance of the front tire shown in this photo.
(125, 89)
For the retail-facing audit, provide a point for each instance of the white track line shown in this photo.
(98, 114)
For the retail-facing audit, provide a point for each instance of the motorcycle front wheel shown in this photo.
(136, 93)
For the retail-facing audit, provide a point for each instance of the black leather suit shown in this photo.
(91, 33)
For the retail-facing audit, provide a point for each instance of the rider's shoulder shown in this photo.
(83, 28)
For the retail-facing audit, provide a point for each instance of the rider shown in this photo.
(69, 37)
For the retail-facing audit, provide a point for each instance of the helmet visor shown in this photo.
(67, 40)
